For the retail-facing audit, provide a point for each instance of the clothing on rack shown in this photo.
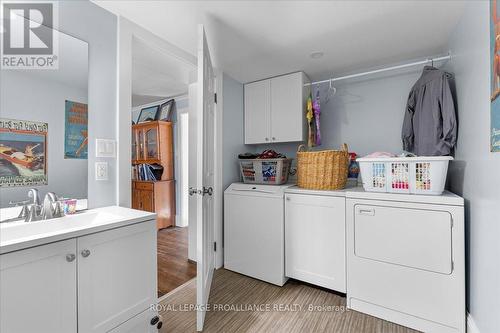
(317, 114)
(430, 124)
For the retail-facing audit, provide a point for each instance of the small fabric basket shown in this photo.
(322, 170)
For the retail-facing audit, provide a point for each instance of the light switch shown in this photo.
(105, 148)
(101, 170)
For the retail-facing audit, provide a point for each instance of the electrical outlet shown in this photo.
(101, 170)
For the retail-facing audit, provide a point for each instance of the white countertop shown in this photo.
(447, 198)
(16, 236)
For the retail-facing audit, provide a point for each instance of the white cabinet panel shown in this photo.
(38, 289)
(287, 116)
(274, 109)
(257, 107)
(139, 324)
(315, 240)
(116, 276)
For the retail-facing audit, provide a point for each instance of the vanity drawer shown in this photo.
(145, 186)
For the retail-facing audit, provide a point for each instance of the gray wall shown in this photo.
(26, 96)
(98, 27)
(233, 127)
(475, 173)
(367, 115)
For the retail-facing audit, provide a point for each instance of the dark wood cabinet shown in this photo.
(157, 197)
(152, 143)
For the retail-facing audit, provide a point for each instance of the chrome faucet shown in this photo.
(51, 207)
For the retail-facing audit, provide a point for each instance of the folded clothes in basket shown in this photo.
(379, 154)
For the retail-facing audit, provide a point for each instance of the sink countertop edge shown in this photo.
(69, 233)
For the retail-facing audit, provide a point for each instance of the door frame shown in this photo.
(127, 31)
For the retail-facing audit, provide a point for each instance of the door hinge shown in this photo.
(215, 98)
(215, 247)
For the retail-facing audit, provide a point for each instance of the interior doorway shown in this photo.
(160, 154)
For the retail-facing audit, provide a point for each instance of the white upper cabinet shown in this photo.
(275, 109)
(257, 110)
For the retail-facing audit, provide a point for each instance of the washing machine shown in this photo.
(254, 231)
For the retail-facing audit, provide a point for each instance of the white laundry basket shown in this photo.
(417, 175)
(270, 171)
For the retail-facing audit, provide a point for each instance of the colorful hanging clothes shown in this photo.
(310, 119)
(317, 113)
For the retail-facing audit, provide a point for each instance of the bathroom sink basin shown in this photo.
(20, 234)
(14, 230)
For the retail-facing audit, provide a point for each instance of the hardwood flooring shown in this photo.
(174, 269)
(309, 309)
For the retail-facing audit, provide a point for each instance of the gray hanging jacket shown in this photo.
(430, 124)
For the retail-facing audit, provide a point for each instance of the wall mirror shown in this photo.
(44, 126)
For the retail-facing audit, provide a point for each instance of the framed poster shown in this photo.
(165, 112)
(148, 114)
(76, 130)
(495, 76)
(23, 153)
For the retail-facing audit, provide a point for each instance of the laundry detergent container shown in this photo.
(416, 175)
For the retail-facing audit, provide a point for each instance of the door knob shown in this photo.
(208, 190)
(85, 253)
(70, 257)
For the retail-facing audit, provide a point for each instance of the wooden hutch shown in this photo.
(152, 143)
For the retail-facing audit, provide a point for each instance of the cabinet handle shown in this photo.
(85, 253)
(274, 138)
(267, 139)
(70, 257)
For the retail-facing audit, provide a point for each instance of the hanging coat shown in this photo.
(430, 124)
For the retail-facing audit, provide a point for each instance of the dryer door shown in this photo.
(415, 238)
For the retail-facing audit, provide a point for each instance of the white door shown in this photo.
(116, 276)
(257, 109)
(205, 177)
(315, 240)
(287, 108)
(38, 289)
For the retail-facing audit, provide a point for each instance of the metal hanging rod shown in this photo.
(380, 70)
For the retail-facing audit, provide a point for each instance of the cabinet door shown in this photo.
(139, 324)
(287, 109)
(151, 143)
(116, 276)
(257, 108)
(147, 201)
(38, 289)
(315, 240)
(134, 145)
(141, 155)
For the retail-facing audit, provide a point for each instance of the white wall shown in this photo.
(233, 133)
(25, 96)
(98, 27)
(475, 173)
(366, 114)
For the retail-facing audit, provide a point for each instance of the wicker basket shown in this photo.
(322, 170)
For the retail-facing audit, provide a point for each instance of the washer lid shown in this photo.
(257, 189)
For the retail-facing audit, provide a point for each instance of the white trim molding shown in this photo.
(471, 325)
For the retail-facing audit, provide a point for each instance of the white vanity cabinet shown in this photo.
(116, 276)
(100, 282)
(405, 259)
(38, 289)
(274, 109)
(315, 239)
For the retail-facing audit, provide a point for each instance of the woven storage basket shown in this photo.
(322, 170)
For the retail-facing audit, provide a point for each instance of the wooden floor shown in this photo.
(174, 269)
(230, 289)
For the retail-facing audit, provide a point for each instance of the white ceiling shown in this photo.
(156, 76)
(250, 40)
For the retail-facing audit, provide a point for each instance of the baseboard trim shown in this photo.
(471, 325)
